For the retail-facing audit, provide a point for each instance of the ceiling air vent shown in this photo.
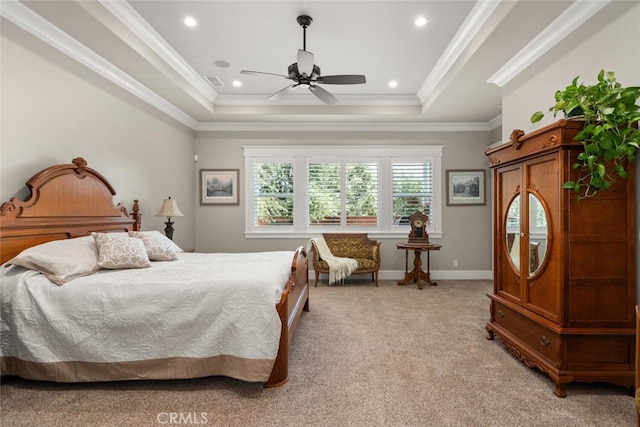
(214, 81)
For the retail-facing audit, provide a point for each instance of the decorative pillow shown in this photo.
(61, 260)
(159, 247)
(118, 250)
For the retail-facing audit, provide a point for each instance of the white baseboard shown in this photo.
(435, 275)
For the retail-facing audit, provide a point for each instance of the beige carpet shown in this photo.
(363, 356)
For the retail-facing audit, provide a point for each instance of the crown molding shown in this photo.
(33, 23)
(124, 12)
(482, 10)
(495, 123)
(309, 99)
(573, 17)
(375, 125)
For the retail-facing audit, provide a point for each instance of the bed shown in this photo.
(186, 315)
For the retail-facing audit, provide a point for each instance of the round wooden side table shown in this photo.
(417, 275)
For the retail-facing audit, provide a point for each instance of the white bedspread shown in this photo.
(200, 305)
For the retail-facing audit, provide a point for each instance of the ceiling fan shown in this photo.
(305, 73)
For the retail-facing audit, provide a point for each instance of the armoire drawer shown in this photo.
(535, 336)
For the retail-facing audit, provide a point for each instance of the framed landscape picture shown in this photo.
(219, 186)
(466, 187)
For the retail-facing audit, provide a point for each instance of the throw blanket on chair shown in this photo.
(339, 267)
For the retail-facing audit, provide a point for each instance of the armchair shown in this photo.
(357, 246)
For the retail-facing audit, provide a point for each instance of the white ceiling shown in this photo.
(442, 69)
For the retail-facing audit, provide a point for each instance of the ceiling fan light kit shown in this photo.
(304, 73)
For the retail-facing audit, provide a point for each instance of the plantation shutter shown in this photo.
(273, 194)
(362, 193)
(338, 188)
(325, 193)
(412, 190)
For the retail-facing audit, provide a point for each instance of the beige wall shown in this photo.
(466, 229)
(55, 109)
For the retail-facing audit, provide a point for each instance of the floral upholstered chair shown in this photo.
(357, 246)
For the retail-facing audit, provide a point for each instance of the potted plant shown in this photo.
(610, 135)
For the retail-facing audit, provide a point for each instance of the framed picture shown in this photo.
(219, 186)
(466, 187)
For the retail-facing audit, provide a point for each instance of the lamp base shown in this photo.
(168, 230)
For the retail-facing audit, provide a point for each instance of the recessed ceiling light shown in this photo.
(237, 83)
(420, 21)
(189, 21)
(393, 84)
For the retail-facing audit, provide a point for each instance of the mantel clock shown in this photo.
(418, 222)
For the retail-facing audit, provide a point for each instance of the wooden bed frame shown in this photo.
(72, 200)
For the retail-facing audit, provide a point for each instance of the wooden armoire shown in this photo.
(564, 272)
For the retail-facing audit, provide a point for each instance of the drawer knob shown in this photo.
(500, 314)
(544, 341)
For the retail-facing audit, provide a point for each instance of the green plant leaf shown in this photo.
(537, 116)
(592, 149)
(605, 144)
(621, 172)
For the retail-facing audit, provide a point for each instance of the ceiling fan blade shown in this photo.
(261, 73)
(323, 95)
(279, 94)
(305, 62)
(345, 79)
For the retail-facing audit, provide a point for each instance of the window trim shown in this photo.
(387, 154)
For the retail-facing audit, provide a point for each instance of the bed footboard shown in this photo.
(295, 300)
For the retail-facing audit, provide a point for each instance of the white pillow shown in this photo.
(118, 250)
(158, 246)
(61, 260)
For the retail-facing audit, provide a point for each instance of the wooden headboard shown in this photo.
(66, 201)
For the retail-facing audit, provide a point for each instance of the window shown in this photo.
(348, 187)
(294, 191)
(272, 193)
(412, 190)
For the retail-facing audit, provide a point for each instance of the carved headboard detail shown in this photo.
(66, 201)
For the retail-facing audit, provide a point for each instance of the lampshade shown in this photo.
(169, 208)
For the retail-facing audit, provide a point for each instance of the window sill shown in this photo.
(307, 235)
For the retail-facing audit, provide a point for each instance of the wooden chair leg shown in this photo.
(376, 274)
(317, 273)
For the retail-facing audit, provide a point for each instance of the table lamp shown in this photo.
(169, 208)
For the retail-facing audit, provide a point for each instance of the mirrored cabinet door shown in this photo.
(513, 233)
(532, 234)
(538, 235)
(508, 224)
